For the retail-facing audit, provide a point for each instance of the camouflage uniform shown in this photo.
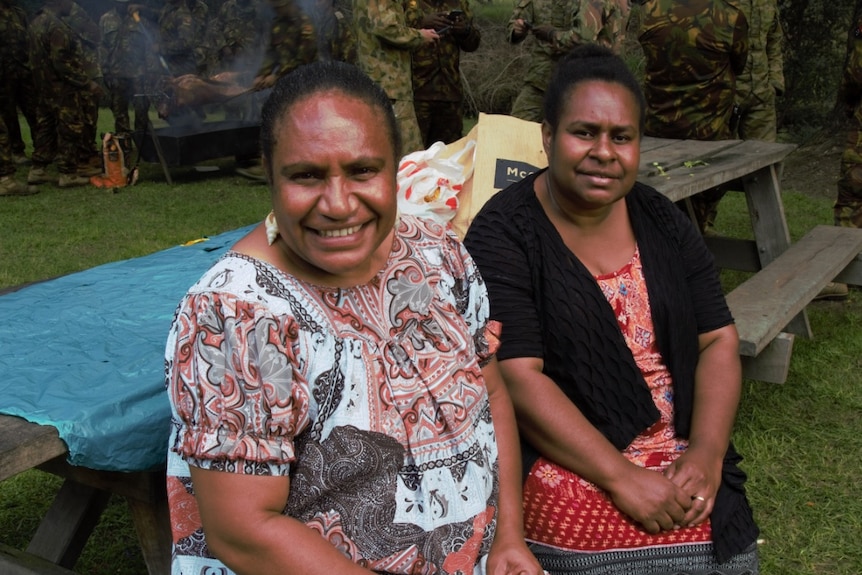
(438, 96)
(7, 165)
(332, 29)
(694, 51)
(848, 205)
(87, 36)
(59, 74)
(575, 22)
(383, 46)
(177, 38)
(201, 20)
(237, 36)
(763, 77)
(17, 86)
(291, 40)
(124, 43)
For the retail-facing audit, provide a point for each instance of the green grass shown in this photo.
(800, 439)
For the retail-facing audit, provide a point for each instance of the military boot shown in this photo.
(72, 180)
(11, 187)
(39, 175)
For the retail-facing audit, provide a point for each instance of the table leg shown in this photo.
(152, 524)
(64, 530)
(158, 146)
(762, 192)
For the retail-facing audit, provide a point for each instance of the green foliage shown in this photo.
(815, 47)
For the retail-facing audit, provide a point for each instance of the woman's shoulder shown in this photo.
(431, 244)
(513, 207)
(228, 273)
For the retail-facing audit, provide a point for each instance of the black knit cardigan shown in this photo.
(566, 320)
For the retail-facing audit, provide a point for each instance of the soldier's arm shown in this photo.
(775, 52)
(468, 36)
(108, 26)
(614, 31)
(588, 23)
(739, 46)
(66, 60)
(388, 23)
(523, 13)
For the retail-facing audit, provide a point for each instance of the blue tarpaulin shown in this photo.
(85, 353)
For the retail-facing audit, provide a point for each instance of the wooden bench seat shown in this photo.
(766, 303)
(15, 562)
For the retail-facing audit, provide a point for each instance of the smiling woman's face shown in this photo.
(334, 189)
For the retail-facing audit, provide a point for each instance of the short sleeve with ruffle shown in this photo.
(233, 385)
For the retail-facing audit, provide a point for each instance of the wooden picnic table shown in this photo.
(769, 308)
(79, 503)
(677, 168)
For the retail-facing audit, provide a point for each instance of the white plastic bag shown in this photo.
(429, 181)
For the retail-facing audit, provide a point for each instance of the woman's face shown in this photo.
(333, 187)
(594, 152)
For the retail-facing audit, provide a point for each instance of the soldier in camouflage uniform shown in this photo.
(16, 91)
(238, 36)
(297, 37)
(383, 45)
(123, 46)
(438, 96)
(848, 205)
(333, 31)
(557, 26)
(291, 43)
(763, 77)
(8, 185)
(88, 37)
(59, 75)
(177, 38)
(690, 77)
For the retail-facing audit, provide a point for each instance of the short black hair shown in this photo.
(589, 62)
(317, 78)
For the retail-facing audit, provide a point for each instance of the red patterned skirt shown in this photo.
(565, 511)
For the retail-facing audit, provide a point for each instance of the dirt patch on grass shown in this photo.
(812, 169)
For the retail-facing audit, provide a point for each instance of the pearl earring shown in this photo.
(271, 228)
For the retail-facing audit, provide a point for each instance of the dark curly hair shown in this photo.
(589, 62)
(317, 78)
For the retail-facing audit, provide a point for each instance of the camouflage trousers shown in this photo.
(59, 132)
(7, 166)
(18, 94)
(528, 104)
(89, 105)
(439, 121)
(121, 93)
(847, 210)
(758, 120)
(704, 207)
(408, 126)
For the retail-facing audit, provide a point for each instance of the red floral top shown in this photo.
(564, 510)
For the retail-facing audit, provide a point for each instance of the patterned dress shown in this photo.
(582, 529)
(370, 398)
(582, 517)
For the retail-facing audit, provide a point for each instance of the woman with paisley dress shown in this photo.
(336, 403)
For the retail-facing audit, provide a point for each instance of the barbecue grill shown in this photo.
(186, 145)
